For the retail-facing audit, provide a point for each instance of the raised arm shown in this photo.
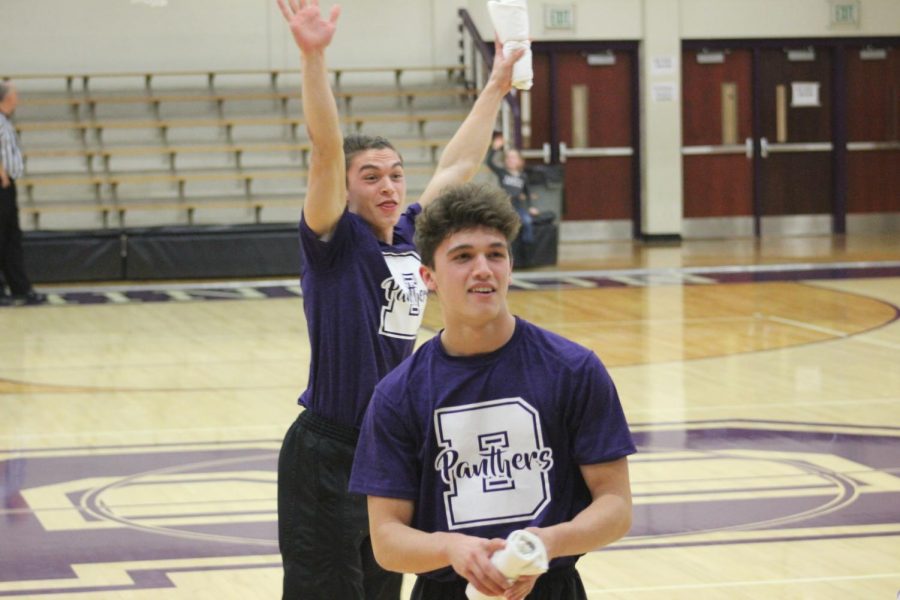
(326, 195)
(399, 547)
(604, 521)
(493, 153)
(463, 155)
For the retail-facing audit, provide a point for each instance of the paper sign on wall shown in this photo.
(664, 92)
(805, 93)
(663, 65)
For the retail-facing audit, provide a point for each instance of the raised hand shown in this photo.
(502, 70)
(311, 32)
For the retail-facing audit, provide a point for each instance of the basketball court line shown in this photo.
(680, 410)
(833, 332)
(529, 280)
(739, 584)
(807, 326)
(238, 430)
(120, 294)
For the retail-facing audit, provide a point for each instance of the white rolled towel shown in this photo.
(510, 19)
(524, 554)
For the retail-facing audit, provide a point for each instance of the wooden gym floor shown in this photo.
(140, 425)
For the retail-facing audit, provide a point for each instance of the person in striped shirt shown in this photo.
(12, 260)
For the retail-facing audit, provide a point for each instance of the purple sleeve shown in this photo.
(596, 420)
(318, 254)
(385, 461)
(407, 224)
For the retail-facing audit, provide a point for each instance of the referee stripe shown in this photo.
(10, 155)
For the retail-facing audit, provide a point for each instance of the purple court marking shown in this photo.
(149, 503)
(750, 277)
(32, 552)
(819, 498)
(529, 281)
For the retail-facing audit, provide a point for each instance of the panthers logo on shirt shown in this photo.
(405, 296)
(493, 460)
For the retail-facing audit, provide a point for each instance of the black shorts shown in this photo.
(557, 584)
(323, 530)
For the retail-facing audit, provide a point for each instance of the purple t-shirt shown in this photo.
(489, 444)
(364, 301)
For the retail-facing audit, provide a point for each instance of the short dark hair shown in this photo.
(356, 143)
(5, 87)
(460, 207)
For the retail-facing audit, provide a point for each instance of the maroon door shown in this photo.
(537, 108)
(796, 133)
(717, 132)
(591, 95)
(873, 120)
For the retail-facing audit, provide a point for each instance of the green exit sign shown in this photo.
(559, 16)
(844, 12)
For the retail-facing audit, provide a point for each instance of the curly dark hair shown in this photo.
(356, 143)
(460, 207)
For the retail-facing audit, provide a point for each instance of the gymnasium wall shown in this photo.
(88, 36)
(52, 36)
(704, 19)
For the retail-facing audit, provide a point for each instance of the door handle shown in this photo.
(870, 146)
(562, 152)
(764, 147)
(748, 147)
(543, 153)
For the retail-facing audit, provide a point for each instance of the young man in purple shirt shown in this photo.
(363, 299)
(492, 426)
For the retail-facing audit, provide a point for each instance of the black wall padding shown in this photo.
(202, 252)
(228, 251)
(163, 253)
(52, 256)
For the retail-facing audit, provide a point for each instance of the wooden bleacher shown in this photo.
(454, 73)
(79, 171)
(170, 152)
(228, 124)
(85, 107)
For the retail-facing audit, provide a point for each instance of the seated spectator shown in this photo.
(513, 180)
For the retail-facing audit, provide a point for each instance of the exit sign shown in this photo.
(845, 13)
(559, 16)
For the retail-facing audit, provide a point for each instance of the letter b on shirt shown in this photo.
(493, 461)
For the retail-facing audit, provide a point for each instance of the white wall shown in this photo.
(88, 36)
(594, 19)
(58, 36)
(661, 173)
(728, 19)
(52, 36)
(700, 19)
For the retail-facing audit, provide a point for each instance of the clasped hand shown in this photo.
(470, 557)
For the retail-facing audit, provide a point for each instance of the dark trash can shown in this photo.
(545, 182)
